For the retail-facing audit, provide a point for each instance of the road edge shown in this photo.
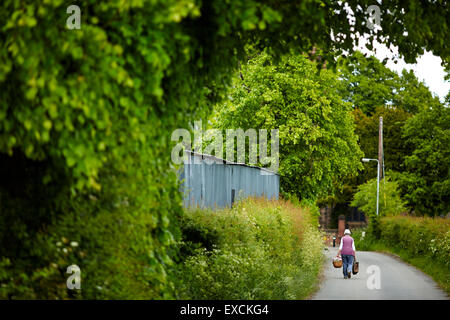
(400, 259)
(320, 276)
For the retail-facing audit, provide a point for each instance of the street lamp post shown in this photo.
(378, 176)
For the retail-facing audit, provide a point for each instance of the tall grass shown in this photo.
(259, 249)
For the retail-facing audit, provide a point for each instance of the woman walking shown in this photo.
(347, 248)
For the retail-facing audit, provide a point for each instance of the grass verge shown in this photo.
(259, 249)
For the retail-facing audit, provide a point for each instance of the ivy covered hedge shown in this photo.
(88, 114)
(112, 235)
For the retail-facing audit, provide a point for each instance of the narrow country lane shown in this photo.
(398, 280)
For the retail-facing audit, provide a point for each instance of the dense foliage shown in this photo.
(367, 83)
(259, 249)
(111, 235)
(394, 146)
(375, 91)
(422, 236)
(317, 141)
(426, 178)
(390, 202)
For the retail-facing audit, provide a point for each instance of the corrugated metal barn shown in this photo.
(211, 182)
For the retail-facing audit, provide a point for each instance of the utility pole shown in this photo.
(380, 149)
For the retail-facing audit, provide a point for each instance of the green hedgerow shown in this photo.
(259, 249)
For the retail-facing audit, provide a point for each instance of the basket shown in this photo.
(337, 262)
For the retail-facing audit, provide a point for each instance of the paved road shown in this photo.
(398, 280)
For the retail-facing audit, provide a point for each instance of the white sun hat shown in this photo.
(347, 231)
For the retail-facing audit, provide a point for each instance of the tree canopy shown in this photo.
(375, 91)
(395, 147)
(316, 131)
(368, 84)
(425, 181)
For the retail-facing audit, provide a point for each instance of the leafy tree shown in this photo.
(426, 180)
(390, 202)
(122, 70)
(368, 84)
(395, 147)
(411, 94)
(317, 141)
(395, 151)
(375, 91)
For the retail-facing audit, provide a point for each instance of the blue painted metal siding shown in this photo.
(210, 185)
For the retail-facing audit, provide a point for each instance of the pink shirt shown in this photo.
(347, 245)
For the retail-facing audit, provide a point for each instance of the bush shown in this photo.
(259, 249)
(390, 202)
(364, 240)
(420, 236)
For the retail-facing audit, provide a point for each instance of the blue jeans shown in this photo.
(347, 261)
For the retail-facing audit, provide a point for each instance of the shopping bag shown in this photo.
(355, 268)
